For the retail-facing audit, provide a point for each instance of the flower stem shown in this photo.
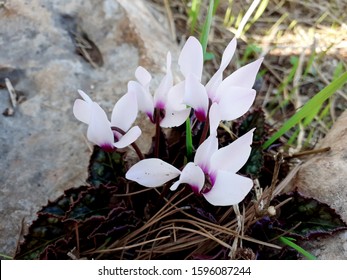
(136, 148)
(206, 125)
(189, 139)
(204, 131)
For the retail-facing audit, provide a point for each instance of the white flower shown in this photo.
(100, 128)
(212, 174)
(148, 103)
(234, 94)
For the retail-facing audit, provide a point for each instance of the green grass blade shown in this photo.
(193, 14)
(6, 256)
(206, 28)
(314, 103)
(287, 241)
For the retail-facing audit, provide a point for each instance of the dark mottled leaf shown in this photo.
(106, 168)
(59, 207)
(254, 119)
(313, 217)
(91, 213)
(42, 232)
(92, 202)
(302, 217)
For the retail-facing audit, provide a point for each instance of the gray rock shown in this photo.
(324, 177)
(43, 149)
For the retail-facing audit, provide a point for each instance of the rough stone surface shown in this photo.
(324, 177)
(43, 149)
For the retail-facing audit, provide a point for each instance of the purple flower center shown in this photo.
(107, 147)
(160, 105)
(200, 114)
(208, 185)
(195, 189)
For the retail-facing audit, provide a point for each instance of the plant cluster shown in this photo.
(210, 204)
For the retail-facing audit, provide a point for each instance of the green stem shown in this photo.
(189, 140)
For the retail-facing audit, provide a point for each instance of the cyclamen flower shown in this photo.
(212, 174)
(100, 128)
(234, 94)
(148, 103)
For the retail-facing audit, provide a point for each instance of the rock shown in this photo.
(43, 147)
(324, 177)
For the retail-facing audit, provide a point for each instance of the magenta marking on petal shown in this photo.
(160, 105)
(200, 114)
(195, 189)
(212, 178)
(107, 148)
(209, 182)
(161, 113)
(204, 168)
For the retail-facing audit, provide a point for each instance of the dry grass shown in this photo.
(173, 232)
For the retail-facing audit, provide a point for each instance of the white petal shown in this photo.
(228, 54)
(82, 110)
(217, 78)
(232, 157)
(99, 129)
(160, 95)
(174, 118)
(213, 84)
(191, 58)
(195, 96)
(128, 138)
(204, 153)
(144, 98)
(152, 172)
(244, 76)
(191, 175)
(125, 111)
(235, 102)
(214, 118)
(229, 189)
(175, 97)
(85, 96)
(143, 76)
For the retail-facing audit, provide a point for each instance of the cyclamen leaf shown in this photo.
(302, 217)
(94, 212)
(254, 119)
(105, 168)
(315, 218)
